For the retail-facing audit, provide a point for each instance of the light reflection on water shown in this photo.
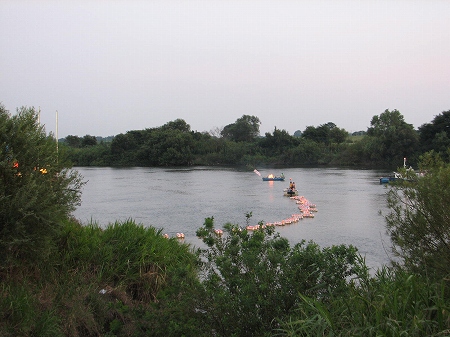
(178, 200)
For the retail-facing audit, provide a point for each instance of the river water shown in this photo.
(350, 203)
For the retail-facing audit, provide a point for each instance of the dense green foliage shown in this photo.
(391, 303)
(125, 280)
(328, 134)
(253, 280)
(390, 137)
(386, 142)
(37, 191)
(60, 278)
(245, 129)
(436, 135)
(419, 222)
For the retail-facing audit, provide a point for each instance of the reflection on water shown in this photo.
(178, 200)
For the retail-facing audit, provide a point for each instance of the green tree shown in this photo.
(96, 155)
(277, 142)
(124, 147)
(297, 134)
(73, 141)
(326, 133)
(441, 144)
(37, 190)
(318, 135)
(169, 145)
(308, 152)
(338, 135)
(175, 148)
(436, 135)
(391, 138)
(178, 124)
(245, 129)
(419, 221)
(88, 140)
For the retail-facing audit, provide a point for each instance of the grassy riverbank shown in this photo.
(127, 280)
(124, 280)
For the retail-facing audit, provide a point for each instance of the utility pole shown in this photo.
(56, 131)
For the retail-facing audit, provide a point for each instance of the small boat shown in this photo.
(387, 180)
(289, 192)
(409, 175)
(271, 177)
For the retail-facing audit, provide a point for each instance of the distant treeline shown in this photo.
(386, 142)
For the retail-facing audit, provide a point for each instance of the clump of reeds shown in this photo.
(391, 303)
(124, 279)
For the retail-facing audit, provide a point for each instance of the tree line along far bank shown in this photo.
(384, 144)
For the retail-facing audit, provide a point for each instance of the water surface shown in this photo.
(178, 200)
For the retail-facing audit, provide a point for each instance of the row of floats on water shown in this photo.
(307, 210)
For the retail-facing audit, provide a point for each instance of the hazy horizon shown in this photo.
(109, 67)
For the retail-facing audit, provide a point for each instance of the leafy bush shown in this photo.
(37, 190)
(252, 279)
(419, 221)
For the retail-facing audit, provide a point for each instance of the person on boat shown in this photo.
(293, 185)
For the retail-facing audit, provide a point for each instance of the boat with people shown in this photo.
(290, 192)
(271, 177)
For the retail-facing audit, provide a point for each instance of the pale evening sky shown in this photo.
(108, 67)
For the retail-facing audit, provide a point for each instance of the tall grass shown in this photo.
(392, 303)
(123, 280)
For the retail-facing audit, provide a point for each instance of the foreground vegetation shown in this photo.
(60, 278)
(127, 280)
(124, 280)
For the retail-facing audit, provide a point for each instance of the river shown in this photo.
(349, 202)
